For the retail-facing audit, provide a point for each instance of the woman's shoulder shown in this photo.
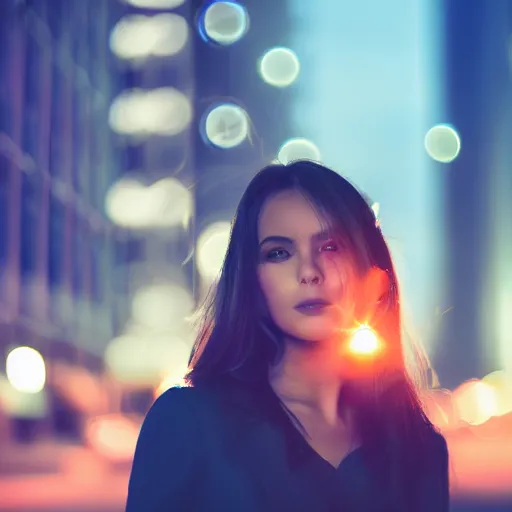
(220, 403)
(191, 402)
(180, 401)
(170, 448)
(177, 396)
(178, 413)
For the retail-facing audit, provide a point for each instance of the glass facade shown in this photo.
(57, 161)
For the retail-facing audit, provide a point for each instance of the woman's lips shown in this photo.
(312, 307)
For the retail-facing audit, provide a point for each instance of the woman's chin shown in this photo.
(313, 336)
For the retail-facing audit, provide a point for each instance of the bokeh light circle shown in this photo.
(138, 37)
(155, 4)
(164, 111)
(26, 370)
(162, 305)
(279, 67)
(132, 204)
(475, 402)
(226, 126)
(146, 359)
(298, 149)
(224, 23)
(442, 143)
(212, 245)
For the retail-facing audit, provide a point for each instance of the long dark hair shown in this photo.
(236, 341)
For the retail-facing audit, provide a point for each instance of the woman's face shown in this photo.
(303, 273)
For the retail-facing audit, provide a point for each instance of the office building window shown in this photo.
(78, 149)
(6, 56)
(32, 97)
(30, 229)
(57, 148)
(31, 194)
(94, 196)
(5, 173)
(81, 142)
(56, 271)
(79, 244)
(98, 267)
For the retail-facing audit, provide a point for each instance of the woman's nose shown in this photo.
(310, 272)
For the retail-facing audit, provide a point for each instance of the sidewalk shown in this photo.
(37, 458)
(63, 493)
(58, 477)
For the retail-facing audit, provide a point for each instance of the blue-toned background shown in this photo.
(128, 132)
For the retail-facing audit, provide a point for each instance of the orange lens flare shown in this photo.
(364, 341)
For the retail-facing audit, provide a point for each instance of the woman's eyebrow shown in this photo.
(322, 235)
(277, 239)
(319, 236)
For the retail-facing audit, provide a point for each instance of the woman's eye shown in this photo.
(277, 254)
(329, 246)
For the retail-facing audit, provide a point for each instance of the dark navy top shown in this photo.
(204, 449)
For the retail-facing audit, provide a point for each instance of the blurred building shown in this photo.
(130, 128)
(59, 254)
(478, 70)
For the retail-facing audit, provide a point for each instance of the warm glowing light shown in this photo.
(26, 370)
(174, 379)
(113, 436)
(364, 341)
(476, 402)
(501, 382)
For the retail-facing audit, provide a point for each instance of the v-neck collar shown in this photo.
(304, 450)
(298, 445)
(255, 402)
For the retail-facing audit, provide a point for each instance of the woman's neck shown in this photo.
(309, 376)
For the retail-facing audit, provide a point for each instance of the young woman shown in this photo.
(298, 395)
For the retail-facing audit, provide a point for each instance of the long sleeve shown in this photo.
(167, 456)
